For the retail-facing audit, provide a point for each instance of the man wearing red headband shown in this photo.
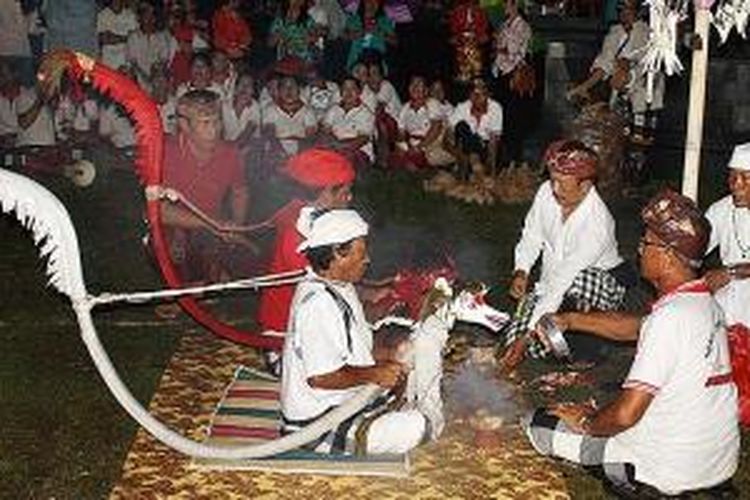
(572, 229)
(326, 177)
(673, 426)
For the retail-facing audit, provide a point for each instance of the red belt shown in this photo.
(719, 380)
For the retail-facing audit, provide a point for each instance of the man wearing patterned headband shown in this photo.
(572, 229)
(673, 427)
(328, 353)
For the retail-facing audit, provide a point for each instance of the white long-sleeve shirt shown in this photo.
(730, 232)
(586, 239)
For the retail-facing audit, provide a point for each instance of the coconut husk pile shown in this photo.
(511, 185)
(604, 131)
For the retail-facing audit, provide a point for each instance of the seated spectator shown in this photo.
(36, 124)
(370, 31)
(208, 172)
(292, 32)
(180, 66)
(673, 426)
(161, 92)
(288, 123)
(320, 94)
(269, 93)
(223, 74)
(148, 45)
(201, 76)
(437, 92)
(360, 72)
(419, 128)
(75, 114)
(477, 125)
(350, 125)
(114, 24)
(382, 98)
(10, 89)
(241, 114)
(232, 34)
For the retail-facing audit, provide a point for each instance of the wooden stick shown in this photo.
(694, 139)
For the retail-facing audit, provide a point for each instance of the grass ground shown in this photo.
(64, 436)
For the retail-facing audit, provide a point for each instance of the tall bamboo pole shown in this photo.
(694, 139)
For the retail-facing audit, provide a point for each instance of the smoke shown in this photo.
(476, 387)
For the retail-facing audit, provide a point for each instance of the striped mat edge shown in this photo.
(249, 413)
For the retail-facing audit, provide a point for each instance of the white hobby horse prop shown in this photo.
(45, 216)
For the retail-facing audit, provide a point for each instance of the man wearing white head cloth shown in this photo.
(328, 352)
(730, 233)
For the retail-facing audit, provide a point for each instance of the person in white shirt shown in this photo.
(224, 74)
(620, 64)
(75, 114)
(288, 123)
(114, 24)
(437, 92)
(15, 49)
(420, 128)
(148, 45)
(730, 234)
(201, 76)
(36, 124)
(328, 352)
(241, 115)
(350, 124)
(381, 97)
(477, 125)
(320, 94)
(166, 101)
(672, 429)
(573, 231)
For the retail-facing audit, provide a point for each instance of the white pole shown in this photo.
(694, 139)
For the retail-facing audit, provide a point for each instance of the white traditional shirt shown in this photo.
(586, 239)
(235, 124)
(168, 113)
(385, 95)
(317, 343)
(321, 99)
(490, 123)
(416, 122)
(619, 44)
(511, 45)
(688, 437)
(71, 115)
(289, 125)
(356, 122)
(42, 131)
(116, 126)
(145, 50)
(120, 23)
(730, 232)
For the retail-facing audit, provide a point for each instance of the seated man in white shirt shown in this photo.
(571, 228)
(328, 351)
(420, 128)
(241, 114)
(289, 123)
(381, 97)
(673, 427)
(350, 125)
(201, 76)
(113, 25)
(477, 125)
(148, 45)
(36, 125)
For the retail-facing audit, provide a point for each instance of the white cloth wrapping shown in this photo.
(740, 159)
(331, 228)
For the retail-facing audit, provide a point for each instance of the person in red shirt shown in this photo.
(327, 177)
(208, 174)
(231, 33)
